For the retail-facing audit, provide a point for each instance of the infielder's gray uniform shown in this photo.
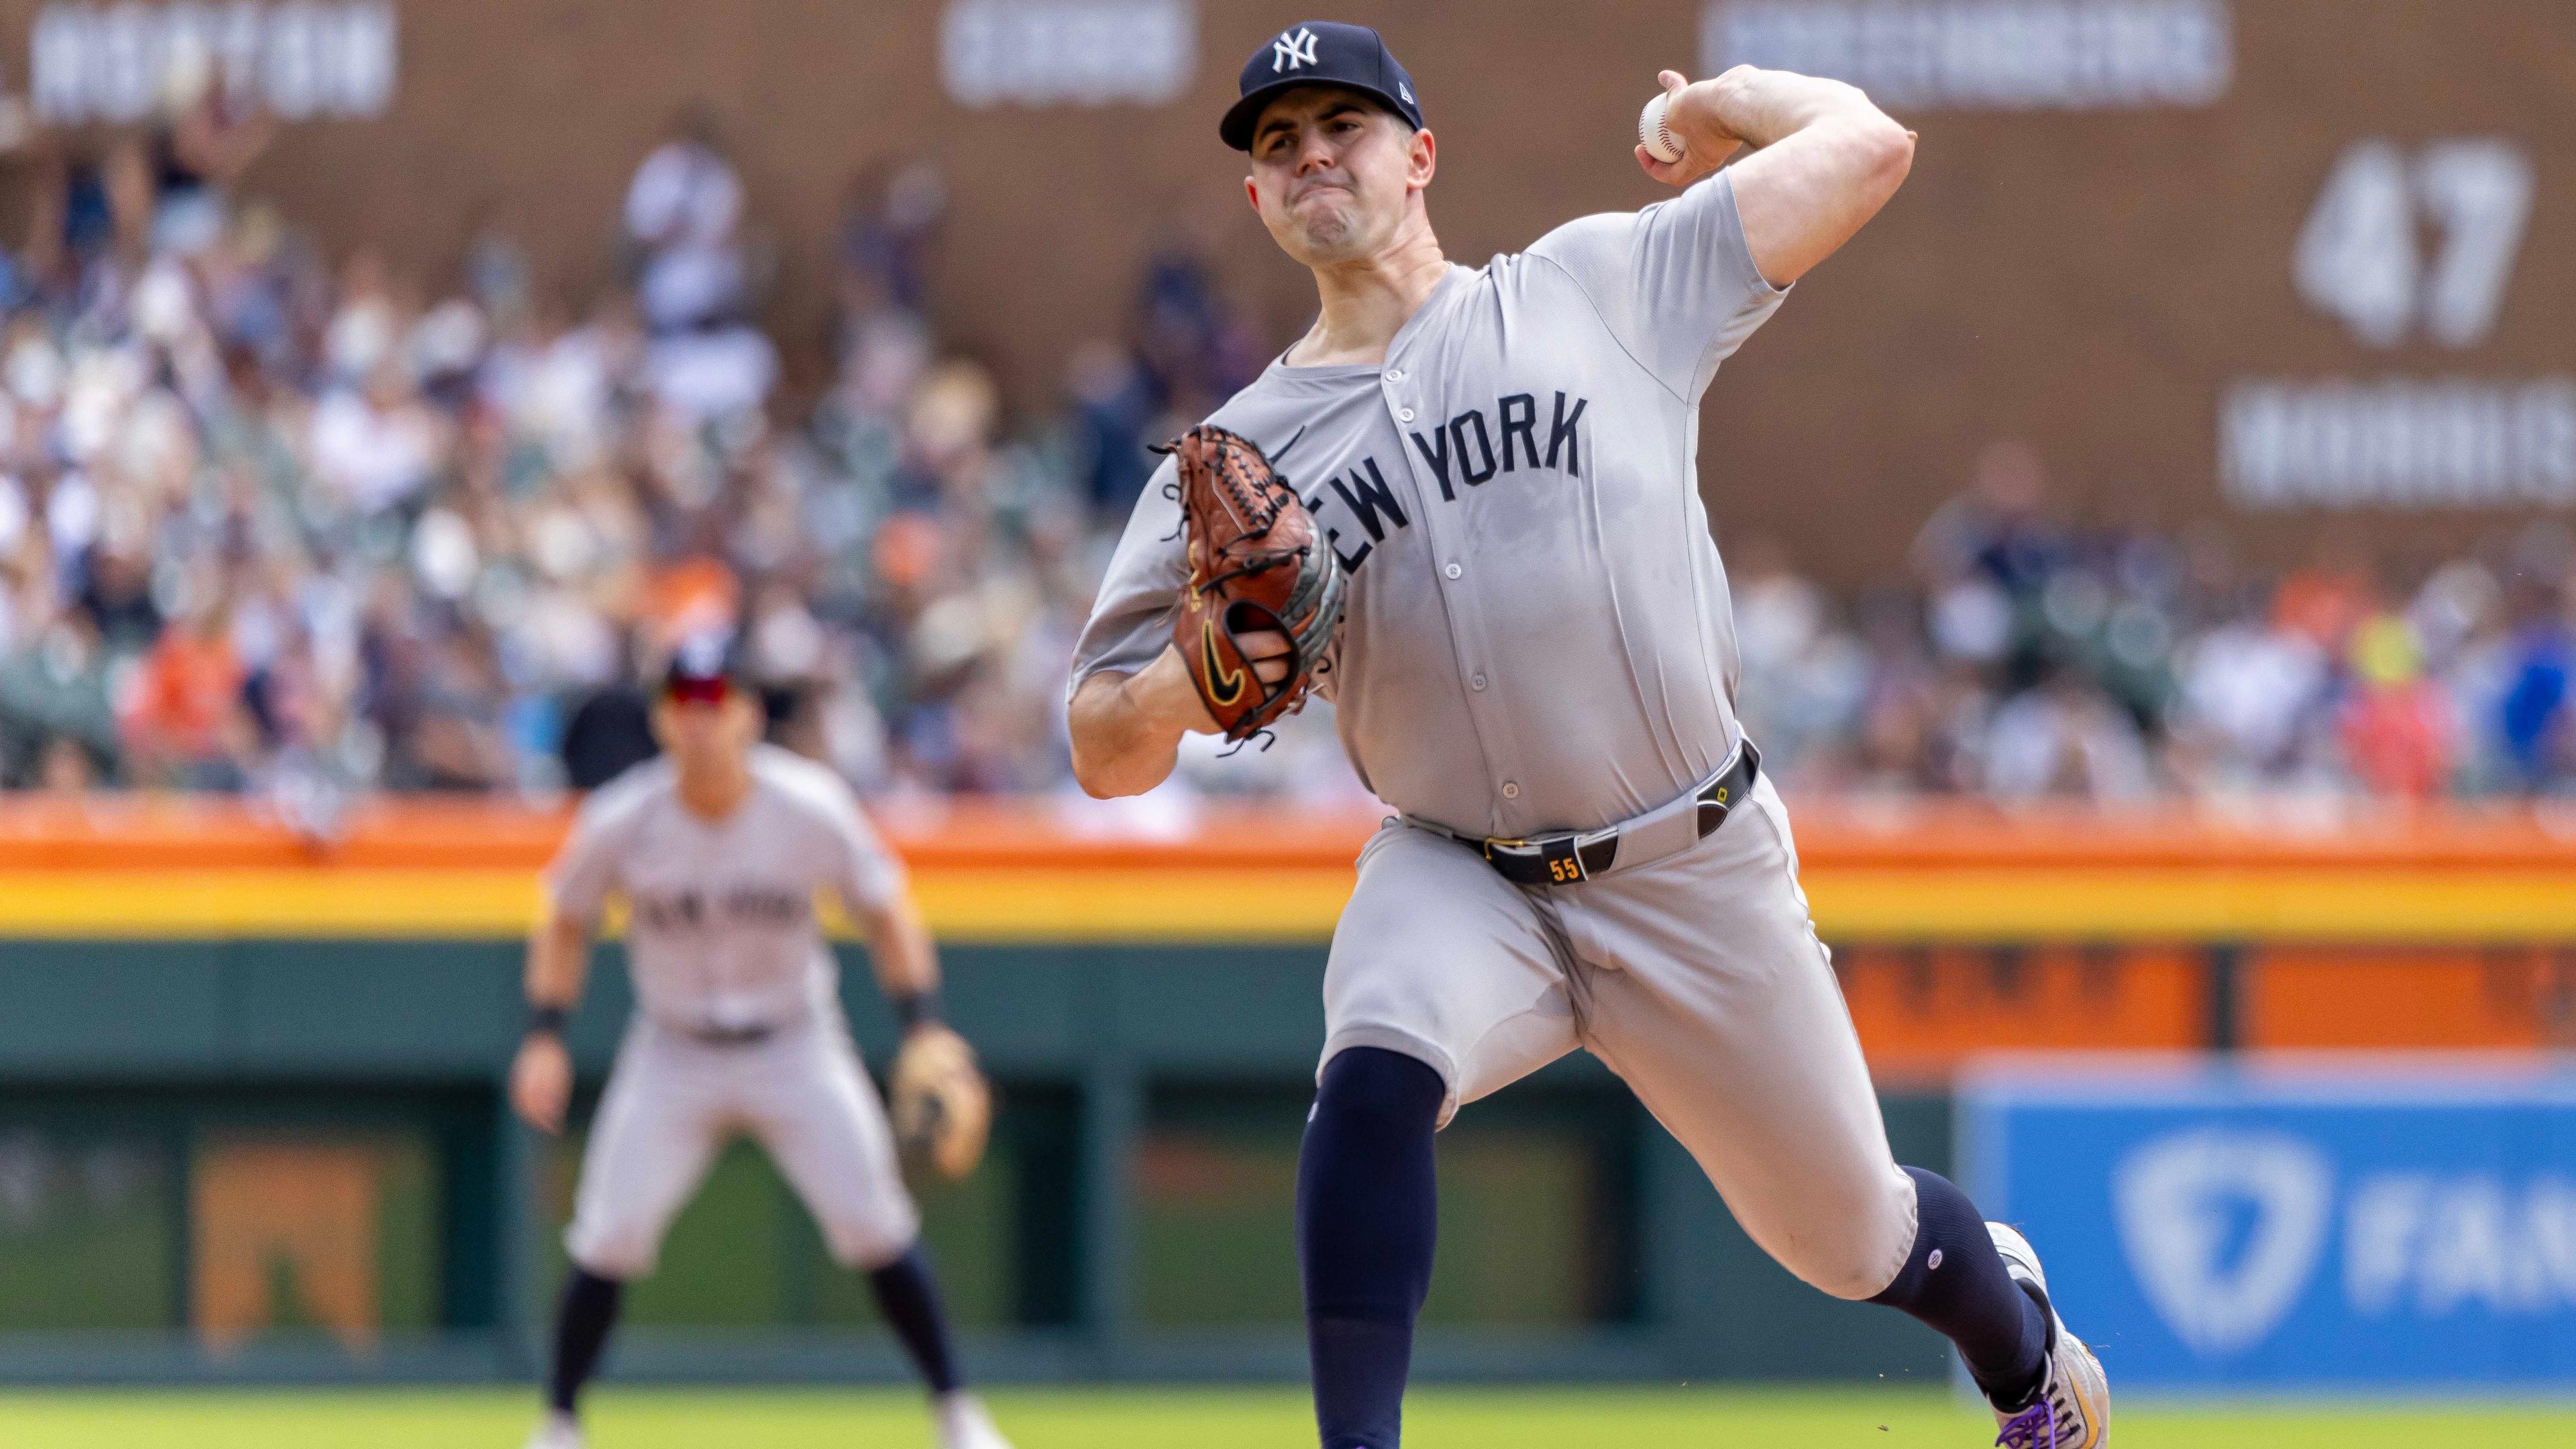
(739, 1027)
(1538, 639)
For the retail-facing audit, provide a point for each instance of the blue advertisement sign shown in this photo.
(2385, 1226)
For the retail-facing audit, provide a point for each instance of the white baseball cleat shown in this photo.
(963, 1424)
(559, 1431)
(2073, 1410)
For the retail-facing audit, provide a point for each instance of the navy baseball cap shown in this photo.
(703, 670)
(1320, 53)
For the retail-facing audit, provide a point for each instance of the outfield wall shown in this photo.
(250, 1120)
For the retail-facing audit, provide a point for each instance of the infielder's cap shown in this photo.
(1320, 53)
(702, 670)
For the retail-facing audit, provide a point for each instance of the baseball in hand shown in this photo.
(1654, 135)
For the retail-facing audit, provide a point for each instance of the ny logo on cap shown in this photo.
(1292, 50)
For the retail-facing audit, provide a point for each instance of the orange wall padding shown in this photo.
(109, 832)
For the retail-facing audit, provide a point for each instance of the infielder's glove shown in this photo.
(943, 1109)
(1256, 562)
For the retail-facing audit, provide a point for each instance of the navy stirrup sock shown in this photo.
(1366, 1219)
(910, 1303)
(588, 1311)
(1955, 1281)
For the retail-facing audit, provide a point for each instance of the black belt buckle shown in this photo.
(732, 1036)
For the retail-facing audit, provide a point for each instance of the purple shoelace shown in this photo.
(2032, 1428)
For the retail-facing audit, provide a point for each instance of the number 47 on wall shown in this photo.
(2360, 258)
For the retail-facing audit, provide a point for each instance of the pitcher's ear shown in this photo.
(1252, 193)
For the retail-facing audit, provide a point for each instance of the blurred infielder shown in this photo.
(1494, 487)
(718, 849)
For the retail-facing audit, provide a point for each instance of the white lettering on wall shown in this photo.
(299, 59)
(2359, 259)
(1067, 52)
(1987, 54)
(2398, 443)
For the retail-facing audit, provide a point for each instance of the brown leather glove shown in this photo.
(1256, 563)
(943, 1108)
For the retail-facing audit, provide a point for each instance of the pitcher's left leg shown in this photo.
(1718, 1006)
(1443, 985)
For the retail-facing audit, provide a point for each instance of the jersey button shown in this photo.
(1404, 415)
(1453, 571)
(1395, 374)
(1478, 681)
(1511, 790)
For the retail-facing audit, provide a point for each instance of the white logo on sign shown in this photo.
(1292, 50)
(2172, 1198)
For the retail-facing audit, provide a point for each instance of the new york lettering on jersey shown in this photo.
(741, 907)
(1365, 498)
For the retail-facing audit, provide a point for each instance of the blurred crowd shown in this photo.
(274, 523)
(279, 523)
(2024, 658)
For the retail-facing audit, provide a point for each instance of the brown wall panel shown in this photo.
(2092, 280)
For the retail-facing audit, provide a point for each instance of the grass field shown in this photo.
(1200, 1419)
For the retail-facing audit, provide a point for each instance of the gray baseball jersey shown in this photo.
(720, 927)
(1537, 636)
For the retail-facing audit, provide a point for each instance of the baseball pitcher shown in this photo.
(718, 849)
(1486, 477)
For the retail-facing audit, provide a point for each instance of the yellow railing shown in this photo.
(182, 868)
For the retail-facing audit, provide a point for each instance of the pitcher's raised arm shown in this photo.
(1827, 158)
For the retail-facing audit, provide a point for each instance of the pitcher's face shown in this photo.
(1332, 173)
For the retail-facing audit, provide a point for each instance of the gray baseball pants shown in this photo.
(673, 1102)
(1698, 979)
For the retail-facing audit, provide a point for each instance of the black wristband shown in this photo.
(548, 1019)
(919, 1007)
